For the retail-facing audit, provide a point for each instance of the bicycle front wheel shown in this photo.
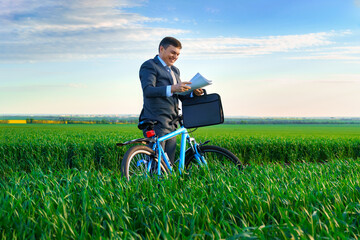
(140, 161)
(216, 157)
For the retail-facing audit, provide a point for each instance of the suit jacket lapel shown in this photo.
(157, 61)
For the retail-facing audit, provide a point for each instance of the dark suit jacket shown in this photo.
(157, 106)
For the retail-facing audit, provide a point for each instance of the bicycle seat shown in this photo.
(147, 124)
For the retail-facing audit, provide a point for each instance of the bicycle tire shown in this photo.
(214, 154)
(135, 162)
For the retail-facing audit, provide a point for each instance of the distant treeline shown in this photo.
(68, 121)
(292, 121)
(134, 120)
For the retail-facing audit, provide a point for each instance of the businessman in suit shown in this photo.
(160, 82)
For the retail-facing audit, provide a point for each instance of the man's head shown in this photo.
(169, 50)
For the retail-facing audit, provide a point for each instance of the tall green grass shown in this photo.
(63, 182)
(300, 201)
(89, 147)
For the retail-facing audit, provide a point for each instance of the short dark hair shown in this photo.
(170, 41)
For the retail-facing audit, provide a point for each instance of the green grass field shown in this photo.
(63, 182)
(88, 147)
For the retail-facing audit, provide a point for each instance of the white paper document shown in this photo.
(198, 81)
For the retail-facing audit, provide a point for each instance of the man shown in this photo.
(160, 82)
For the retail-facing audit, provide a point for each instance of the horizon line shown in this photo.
(135, 115)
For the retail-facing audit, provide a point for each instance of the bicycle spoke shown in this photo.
(136, 163)
(218, 161)
(217, 158)
(139, 165)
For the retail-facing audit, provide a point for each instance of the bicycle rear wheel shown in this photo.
(136, 163)
(217, 158)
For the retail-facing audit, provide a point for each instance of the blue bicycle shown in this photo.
(141, 160)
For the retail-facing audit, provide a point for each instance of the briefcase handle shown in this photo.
(201, 95)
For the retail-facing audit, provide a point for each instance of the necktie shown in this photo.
(172, 75)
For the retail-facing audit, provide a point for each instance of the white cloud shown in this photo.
(29, 6)
(237, 47)
(42, 87)
(212, 10)
(334, 53)
(34, 30)
(45, 30)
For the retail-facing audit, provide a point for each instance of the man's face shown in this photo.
(169, 55)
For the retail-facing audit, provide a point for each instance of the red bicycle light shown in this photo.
(150, 133)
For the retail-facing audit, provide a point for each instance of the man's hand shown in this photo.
(180, 87)
(198, 92)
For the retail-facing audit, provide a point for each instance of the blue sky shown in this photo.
(265, 58)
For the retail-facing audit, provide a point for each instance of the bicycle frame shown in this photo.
(184, 138)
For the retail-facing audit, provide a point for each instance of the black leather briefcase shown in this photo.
(201, 111)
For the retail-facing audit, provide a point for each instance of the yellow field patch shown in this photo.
(17, 121)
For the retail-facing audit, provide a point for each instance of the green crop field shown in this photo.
(63, 182)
